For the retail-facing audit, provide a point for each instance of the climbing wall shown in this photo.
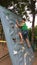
(19, 54)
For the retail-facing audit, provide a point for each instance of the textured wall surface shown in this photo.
(19, 54)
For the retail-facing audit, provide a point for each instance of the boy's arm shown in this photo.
(18, 24)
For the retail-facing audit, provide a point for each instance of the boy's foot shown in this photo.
(21, 42)
(29, 46)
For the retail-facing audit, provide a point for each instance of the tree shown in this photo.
(5, 3)
(33, 12)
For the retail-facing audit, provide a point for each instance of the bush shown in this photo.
(35, 37)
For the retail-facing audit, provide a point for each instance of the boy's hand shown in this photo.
(16, 21)
(16, 26)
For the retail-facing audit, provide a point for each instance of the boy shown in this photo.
(24, 31)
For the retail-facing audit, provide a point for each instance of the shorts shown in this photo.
(25, 34)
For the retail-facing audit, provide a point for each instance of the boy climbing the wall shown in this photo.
(24, 31)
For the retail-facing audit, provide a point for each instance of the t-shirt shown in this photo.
(24, 27)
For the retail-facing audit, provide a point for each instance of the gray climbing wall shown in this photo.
(19, 54)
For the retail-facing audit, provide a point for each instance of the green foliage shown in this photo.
(5, 3)
(30, 34)
(35, 33)
(35, 37)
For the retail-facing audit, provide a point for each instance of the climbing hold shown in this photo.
(14, 39)
(14, 52)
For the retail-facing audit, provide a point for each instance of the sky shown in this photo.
(29, 24)
(30, 17)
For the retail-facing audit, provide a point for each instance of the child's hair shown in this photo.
(24, 18)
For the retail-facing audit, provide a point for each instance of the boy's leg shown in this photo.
(21, 38)
(25, 36)
(28, 43)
